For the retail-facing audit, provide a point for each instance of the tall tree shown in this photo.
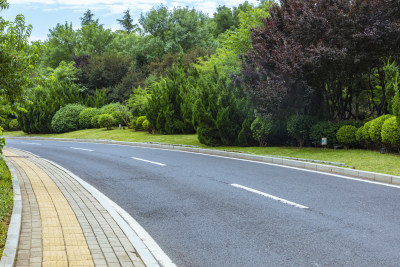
(88, 18)
(61, 45)
(127, 22)
(18, 60)
(180, 29)
(224, 19)
(324, 54)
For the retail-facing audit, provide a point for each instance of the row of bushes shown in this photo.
(76, 116)
(382, 131)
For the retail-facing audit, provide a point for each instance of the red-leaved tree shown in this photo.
(324, 57)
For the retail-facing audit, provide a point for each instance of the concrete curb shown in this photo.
(378, 177)
(14, 229)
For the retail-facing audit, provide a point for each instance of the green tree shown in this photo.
(138, 101)
(127, 22)
(223, 19)
(180, 29)
(236, 41)
(61, 45)
(88, 18)
(93, 38)
(165, 110)
(18, 60)
(104, 71)
(222, 114)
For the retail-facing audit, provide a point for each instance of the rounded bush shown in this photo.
(66, 118)
(365, 132)
(391, 132)
(13, 125)
(346, 135)
(146, 126)
(375, 130)
(86, 116)
(299, 126)
(261, 128)
(95, 121)
(359, 135)
(139, 122)
(106, 121)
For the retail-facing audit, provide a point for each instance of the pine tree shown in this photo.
(88, 18)
(127, 22)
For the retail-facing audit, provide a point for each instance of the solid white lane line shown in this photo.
(270, 196)
(84, 149)
(149, 161)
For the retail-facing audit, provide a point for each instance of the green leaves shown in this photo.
(18, 59)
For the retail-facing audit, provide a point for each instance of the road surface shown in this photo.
(206, 210)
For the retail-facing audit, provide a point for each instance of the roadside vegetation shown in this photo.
(6, 203)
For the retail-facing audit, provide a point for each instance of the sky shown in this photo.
(45, 14)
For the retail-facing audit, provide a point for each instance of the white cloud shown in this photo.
(33, 38)
(207, 7)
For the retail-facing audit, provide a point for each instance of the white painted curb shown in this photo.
(379, 177)
(14, 229)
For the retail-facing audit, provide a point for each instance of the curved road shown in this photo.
(205, 210)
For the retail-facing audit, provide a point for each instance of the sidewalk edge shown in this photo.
(14, 229)
(150, 253)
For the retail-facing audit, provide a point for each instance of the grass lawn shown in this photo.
(6, 202)
(360, 159)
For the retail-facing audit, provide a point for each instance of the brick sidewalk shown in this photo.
(62, 223)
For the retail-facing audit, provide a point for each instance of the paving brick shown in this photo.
(63, 224)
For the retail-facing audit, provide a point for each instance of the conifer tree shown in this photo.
(127, 22)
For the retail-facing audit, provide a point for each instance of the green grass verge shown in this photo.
(360, 159)
(6, 202)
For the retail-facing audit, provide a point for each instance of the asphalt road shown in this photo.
(211, 211)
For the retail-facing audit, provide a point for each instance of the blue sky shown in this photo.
(45, 14)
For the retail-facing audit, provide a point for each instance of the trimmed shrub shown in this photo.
(110, 108)
(139, 123)
(66, 118)
(325, 129)
(375, 130)
(391, 133)
(329, 129)
(346, 135)
(261, 128)
(146, 126)
(14, 125)
(298, 126)
(365, 133)
(106, 121)
(95, 121)
(86, 116)
(359, 135)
